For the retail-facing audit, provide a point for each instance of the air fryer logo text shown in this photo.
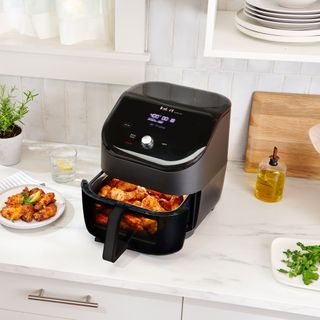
(168, 109)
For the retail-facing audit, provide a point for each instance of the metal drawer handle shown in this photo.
(41, 297)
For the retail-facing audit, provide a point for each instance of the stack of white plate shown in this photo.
(266, 19)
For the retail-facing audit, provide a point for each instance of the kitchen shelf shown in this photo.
(223, 39)
(90, 62)
(121, 63)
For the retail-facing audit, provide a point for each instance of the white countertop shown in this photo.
(227, 259)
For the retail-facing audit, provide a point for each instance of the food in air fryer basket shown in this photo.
(138, 196)
(29, 205)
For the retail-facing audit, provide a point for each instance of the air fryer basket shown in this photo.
(108, 220)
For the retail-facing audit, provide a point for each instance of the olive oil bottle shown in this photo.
(271, 178)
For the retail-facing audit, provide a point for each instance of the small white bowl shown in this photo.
(296, 4)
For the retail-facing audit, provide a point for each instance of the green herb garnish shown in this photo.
(12, 220)
(302, 262)
(26, 199)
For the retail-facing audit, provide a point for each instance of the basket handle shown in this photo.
(114, 246)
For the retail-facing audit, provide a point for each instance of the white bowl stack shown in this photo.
(273, 20)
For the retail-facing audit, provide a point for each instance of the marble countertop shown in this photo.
(227, 259)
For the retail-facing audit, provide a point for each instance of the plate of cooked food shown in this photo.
(30, 206)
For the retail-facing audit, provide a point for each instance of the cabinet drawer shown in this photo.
(204, 310)
(15, 315)
(112, 303)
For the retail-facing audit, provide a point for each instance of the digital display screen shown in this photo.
(160, 119)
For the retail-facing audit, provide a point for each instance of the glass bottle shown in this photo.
(271, 178)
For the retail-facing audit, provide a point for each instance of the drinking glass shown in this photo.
(63, 164)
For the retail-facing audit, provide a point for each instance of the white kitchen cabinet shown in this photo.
(204, 310)
(13, 315)
(223, 39)
(112, 303)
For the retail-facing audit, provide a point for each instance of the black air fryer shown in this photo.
(164, 137)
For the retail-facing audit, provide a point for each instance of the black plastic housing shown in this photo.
(186, 177)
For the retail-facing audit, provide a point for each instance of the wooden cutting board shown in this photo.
(283, 120)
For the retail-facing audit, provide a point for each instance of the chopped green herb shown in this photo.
(26, 200)
(12, 220)
(303, 261)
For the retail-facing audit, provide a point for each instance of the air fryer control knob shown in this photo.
(147, 142)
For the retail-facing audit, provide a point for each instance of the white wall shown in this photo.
(73, 112)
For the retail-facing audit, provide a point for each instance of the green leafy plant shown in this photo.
(12, 111)
(303, 261)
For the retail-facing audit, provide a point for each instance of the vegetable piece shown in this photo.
(302, 262)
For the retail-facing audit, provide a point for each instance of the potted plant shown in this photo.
(12, 112)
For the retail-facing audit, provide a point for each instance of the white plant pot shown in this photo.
(10, 150)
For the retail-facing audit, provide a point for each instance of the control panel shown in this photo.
(157, 130)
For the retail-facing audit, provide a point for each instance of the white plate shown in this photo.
(253, 25)
(20, 224)
(282, 244)
(272, 5)
(276, 38)
(283, 15)
(280, 19)
(283, 25)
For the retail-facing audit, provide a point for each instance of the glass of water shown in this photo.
(63, 164)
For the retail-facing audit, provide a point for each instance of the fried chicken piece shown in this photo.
(12, 212)
(120, 195)
(117, 194)
(126, 186)
(135, 203)
(113, 182)
(47, 212)
(27, 212)
(159, 195)
(105, 191)
(175, 202)
(132, 222)
(16, 199)
(102, 219)
(172, 204)
(151, 203)
(44, 201)
(139, 193)
(149, 225)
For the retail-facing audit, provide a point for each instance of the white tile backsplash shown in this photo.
(296, 83)
(234, 65)
(170, 74)
(195, 79)
(270, 82)
(151, 73)
(315, 85)
(11, 81)
(54, 110)
(186, 33)
(221, 82)
(312, 69)
(97, 96)
(243, 85)
(75, 111)
(35, 130)
(287, 67)
(160, 31)
(260, 66)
